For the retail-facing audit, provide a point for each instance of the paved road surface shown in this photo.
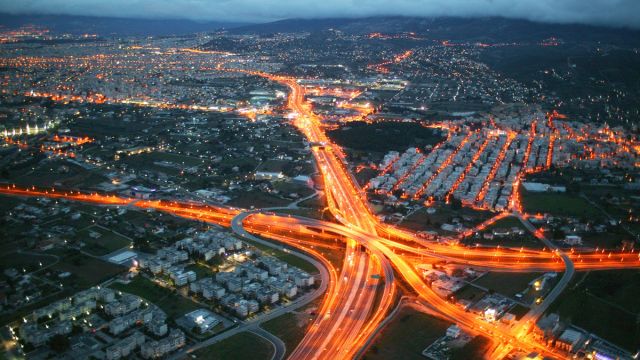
(253, 324)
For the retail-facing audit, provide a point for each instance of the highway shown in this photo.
(569, 270)
(354, 305)
(348, 317)
(327, 277)
(292, 225)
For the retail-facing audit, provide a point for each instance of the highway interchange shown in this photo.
(360, 295)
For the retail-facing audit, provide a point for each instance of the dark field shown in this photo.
(384, 136)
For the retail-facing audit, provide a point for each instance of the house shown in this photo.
(569, 339)
(268, 175)
(156, 349)
(573, 240)
(124, 347)
(204, 319)
(454, 331)
(126, 304)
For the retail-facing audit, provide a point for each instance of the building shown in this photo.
(124, 347)
(126, 304)
(569, 340)
(126, 258)
(36, 336)
(204, 319)
(156, 349)
(454, 331)
(573, 240)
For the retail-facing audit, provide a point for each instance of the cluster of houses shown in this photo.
(244, 282)
(114, 319)
(482, 168)
(573, 340)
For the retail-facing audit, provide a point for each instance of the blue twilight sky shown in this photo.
(599, 12)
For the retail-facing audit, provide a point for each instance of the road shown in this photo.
(253, 324)
(279, 348)
(345, 316)
(569, 270)
(350, 315)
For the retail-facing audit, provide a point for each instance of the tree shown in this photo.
(59, 343)
(216, 260)
(456, 204)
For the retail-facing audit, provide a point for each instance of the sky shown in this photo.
(625, 13)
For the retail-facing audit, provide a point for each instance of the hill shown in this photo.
(105, 26)
(483, 29)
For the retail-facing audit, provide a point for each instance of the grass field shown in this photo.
(384, 136)
(606, 303)
(334, 256)
(167, 163)
(475, 349)
(421, 220)
(406, 336)
(257, 199)
(306, 212)
(506, 223)
(285, 188)
(87, 271)
(512, 241)
(28, 262)
(290, 328)
(559, 204)
(242, 346)
(290, 259)
(470, 293)
(107, 243)
(173, 304)
(507, 284)
(200, 270)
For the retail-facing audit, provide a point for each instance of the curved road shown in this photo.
(253, 324)
(280, 349)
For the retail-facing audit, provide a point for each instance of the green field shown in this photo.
(242, 346)
(407, 335)
(384, 136)
(470, 293)
(290, 259)
(606, 303)
(173, 304)
(87, 271)
(200, 270)
(257, 199)
(107, 243)
(560, 204)
(507, 284)
(46, 174)
(507, 223)
(290, 328)
(285, 188)
(516, 241)
(422, 221)
(168, 163)
(28, 262)
(474, 349)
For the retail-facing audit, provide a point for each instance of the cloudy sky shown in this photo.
(607, 12)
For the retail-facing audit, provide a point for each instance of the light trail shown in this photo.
(348, 317)
(444, 165)
(360, 329)
(494, 168)
(466, 170)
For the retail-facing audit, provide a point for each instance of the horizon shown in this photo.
(597, 13)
